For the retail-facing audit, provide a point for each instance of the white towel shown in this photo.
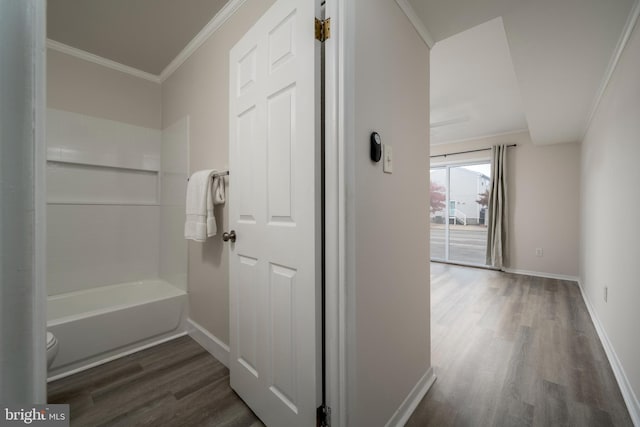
(202, 195)
(218, 190)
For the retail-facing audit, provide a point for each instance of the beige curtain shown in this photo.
(497, 238)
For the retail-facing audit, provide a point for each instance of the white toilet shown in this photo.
(52, 348)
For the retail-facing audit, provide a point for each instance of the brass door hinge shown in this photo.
(323, 29)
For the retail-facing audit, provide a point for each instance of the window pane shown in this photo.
(468, 186)
(437, 213)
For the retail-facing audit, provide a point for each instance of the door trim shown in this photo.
(337, 131)
(40, 200)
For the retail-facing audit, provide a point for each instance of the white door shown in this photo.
(274, 154)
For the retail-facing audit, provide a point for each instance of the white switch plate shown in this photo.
(387, 158)
(539, 252)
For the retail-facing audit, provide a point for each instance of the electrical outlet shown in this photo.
(606, 293)
(538, 252)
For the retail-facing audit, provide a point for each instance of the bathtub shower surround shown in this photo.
(115, 195)
(174, 161)
(103, 216)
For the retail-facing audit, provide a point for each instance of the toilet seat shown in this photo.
(52, 348)
(51, 340)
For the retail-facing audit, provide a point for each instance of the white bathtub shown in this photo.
(100, 324)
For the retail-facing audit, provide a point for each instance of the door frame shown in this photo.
(40, 202)
(35, 331)
(338, 130)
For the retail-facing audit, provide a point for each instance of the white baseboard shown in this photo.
(115, 356)
(410, 403)
(209, 342)
(629, 396)
(541, 274)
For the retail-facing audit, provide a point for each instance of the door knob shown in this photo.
(229, 236)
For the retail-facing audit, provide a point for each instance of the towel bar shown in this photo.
(218, 174)
(225, 173)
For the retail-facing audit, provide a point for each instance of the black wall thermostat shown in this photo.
(376, 147)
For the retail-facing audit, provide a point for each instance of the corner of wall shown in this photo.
(209, 342)
(410, 403)
(629, 396)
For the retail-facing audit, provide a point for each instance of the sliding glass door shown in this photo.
(437, 213)
(458, 212)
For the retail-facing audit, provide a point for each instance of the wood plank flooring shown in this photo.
(508, 350)
(177, 383)
(513, 350)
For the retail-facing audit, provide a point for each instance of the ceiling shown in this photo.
(474, 90)
(541, 65)
(560, 52)
(143, 34)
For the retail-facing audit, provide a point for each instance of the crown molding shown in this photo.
(417, 23)
(216, 22)
(90, 57)
(477, 138)
(212, 26)
(615, 59)
(449, 122)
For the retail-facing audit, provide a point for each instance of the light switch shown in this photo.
(387, 158)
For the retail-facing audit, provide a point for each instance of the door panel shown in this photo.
(243, 173)
(467, 237)
(274, 209)
(247, 313)
(282, 283)
(280, 139)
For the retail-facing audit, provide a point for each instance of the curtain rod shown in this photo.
(469, 151)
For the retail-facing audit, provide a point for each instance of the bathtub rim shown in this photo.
(111, 308)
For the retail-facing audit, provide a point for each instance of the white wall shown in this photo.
(544, 187)
(610, 202)
(80, 86)
(387, 226)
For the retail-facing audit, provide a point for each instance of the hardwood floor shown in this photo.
(177, 383)
(508, 350)
(513, 350)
